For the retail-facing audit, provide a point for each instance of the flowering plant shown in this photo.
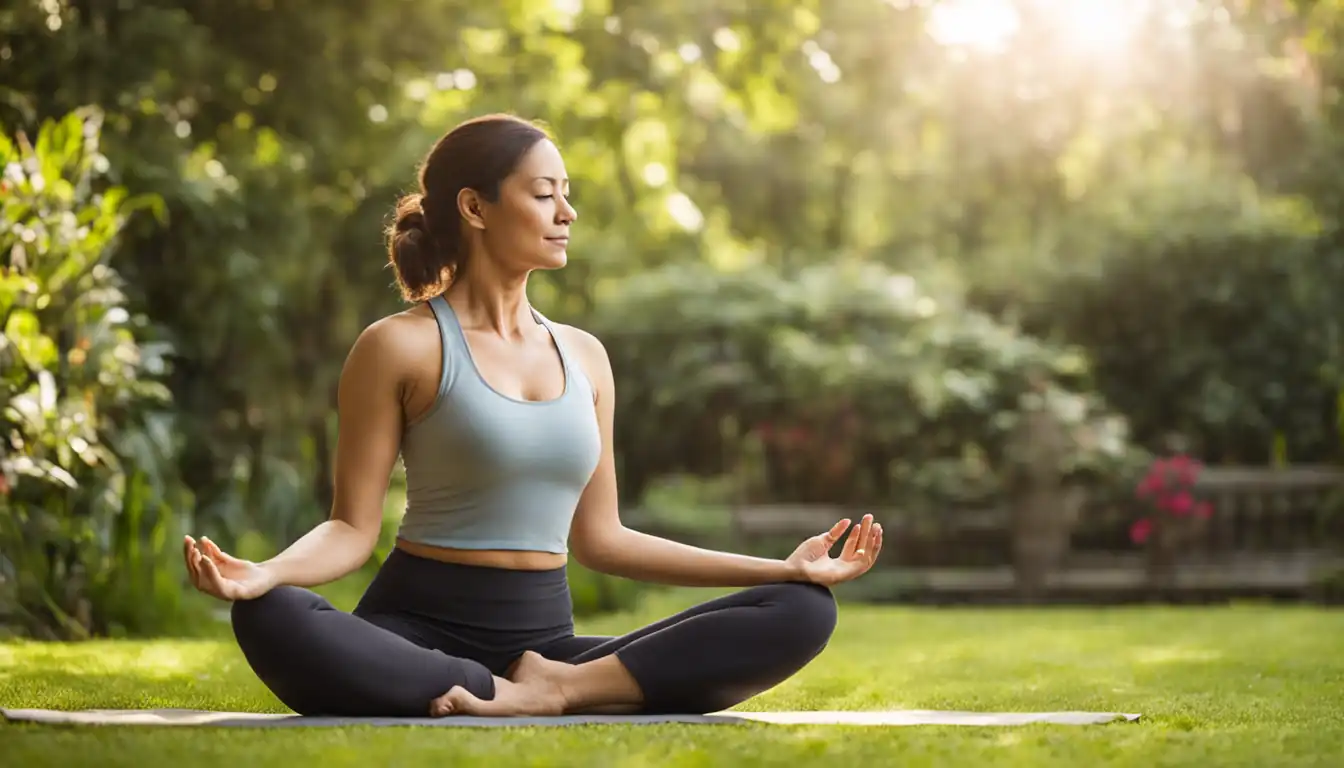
(1169, 489)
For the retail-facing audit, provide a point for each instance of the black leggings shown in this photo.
(425, 626)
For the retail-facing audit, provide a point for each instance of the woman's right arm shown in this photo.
(369, 408)
(369, 419)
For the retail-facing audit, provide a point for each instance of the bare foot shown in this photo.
(533, 688)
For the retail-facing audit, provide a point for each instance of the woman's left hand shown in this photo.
(812, 559)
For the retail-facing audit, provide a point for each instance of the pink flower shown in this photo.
(1181, 504)
(1140, 530)
(1150, 484)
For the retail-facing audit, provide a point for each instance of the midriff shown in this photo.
(487, 558)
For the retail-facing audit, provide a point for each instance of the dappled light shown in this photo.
(162, 660)
(1174, 655)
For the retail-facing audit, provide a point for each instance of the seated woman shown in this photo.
(503, 420)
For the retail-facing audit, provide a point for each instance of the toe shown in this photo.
(461, 702)
(440, 707)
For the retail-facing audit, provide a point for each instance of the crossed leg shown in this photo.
(704, 659)
(319, 660)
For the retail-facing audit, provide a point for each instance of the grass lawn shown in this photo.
(1247, 685)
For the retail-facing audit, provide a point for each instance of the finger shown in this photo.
(217, 554)
(197, 574)
(877, 541)
(193, 564)
(852, 541)
(215, 583)
(211, 552)
(836, 531)
(865, 528)
(210, 549)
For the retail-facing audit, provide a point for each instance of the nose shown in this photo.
(566, 213)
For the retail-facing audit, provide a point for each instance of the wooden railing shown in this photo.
(1279, 527)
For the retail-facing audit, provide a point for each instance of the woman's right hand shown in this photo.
(222, 575)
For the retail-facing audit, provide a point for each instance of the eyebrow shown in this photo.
(551, 179)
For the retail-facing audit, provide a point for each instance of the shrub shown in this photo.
(1210, 319)
(837, 384)
(88, 495)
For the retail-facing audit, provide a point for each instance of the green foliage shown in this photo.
(593, 593)
(688, 506)
(754, 181)
(88, 489)
(840, 384)
(1208, 319)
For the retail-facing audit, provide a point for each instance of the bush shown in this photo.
(89, 501)
(1212, 321)
(839, 384)
(596, 593)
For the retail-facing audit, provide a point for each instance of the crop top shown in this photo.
(488, 471)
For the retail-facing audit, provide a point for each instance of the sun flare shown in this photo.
(1084, 27)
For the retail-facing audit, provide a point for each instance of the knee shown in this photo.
(269, 613)
(808, 610)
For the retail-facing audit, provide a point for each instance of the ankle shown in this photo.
(599, 683)
(570, 684)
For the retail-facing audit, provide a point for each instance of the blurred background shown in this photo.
(1048, 286)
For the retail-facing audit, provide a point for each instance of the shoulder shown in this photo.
(394, 346)
(580, 341)
(589, 350)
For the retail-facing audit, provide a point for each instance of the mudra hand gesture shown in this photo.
(217, 573)
(812, 559)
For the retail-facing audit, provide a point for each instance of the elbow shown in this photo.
(359, 542)
(599, 553)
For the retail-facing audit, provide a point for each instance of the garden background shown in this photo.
(1050, 287)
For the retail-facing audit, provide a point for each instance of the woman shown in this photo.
(503, 420)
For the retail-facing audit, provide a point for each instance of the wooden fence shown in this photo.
(1274, 532)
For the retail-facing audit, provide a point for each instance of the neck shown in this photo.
(490, 299)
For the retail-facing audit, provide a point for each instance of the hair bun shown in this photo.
(411, 215)
(410, 244)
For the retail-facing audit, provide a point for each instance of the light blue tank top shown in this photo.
(487, 471)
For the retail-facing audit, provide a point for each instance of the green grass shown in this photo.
(1247, 685)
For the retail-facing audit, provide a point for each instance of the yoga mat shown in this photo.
(897, 717)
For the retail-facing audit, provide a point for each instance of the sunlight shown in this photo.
(1098, 26)
(1086, 27)
(982, 24)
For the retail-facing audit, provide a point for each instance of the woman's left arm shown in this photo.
(600, 541)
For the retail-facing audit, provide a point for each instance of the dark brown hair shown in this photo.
(424, 241)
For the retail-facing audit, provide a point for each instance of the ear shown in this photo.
(471, 207)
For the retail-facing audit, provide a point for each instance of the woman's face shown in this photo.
(527, 228)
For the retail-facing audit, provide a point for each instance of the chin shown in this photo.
(552, 261)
